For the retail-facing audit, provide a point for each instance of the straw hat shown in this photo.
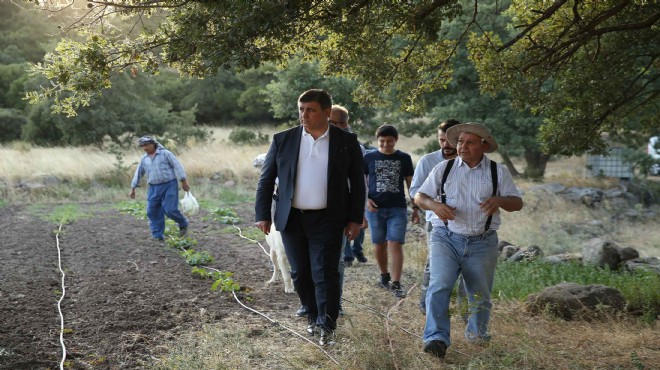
(474, 128)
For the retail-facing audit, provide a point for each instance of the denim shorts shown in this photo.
(388, 224)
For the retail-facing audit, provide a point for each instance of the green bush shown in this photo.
(11, 124)
(242, 135)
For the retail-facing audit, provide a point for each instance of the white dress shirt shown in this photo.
(311, 191)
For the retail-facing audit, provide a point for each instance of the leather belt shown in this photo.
(307, 210)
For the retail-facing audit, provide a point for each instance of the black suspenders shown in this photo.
(493, 175)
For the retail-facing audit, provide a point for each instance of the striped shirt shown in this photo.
(422, 171)
(162, 168)
(466, 188)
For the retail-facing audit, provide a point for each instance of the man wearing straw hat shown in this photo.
(466, 194)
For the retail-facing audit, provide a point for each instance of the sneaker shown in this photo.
(361, 258)
(311, 329)
(397, 289)
(157, 239)
(437, 348)
(302, 311)
(348, 262)
(327, 337)
(183, 231)
(384, 281)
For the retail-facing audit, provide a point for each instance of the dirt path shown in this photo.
(125, 294)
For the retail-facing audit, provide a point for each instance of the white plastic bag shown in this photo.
(189, 204)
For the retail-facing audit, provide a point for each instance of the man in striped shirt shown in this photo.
(467, 200)
(162, 169)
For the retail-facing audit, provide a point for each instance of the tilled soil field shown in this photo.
(125, 295)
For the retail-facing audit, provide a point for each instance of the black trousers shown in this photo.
(313, 249)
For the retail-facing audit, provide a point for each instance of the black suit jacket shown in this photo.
(345, 166)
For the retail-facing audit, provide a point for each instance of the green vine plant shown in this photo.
(133, 208)
(223, 279)
(181, 243)
(197, 258)
(226, 215)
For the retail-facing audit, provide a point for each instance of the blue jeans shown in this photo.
(163, 200)
(473, 256)
(351, 251)
(388, 224)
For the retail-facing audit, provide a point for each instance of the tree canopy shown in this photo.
(588, 66)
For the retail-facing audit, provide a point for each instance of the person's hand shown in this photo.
(264, 226)
(352, 230)
(444, 212)
(132, 193)
(372, 206)
(185, 186)
(415, 216)
(490, 205)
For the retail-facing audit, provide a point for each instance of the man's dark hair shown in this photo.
(317, 95)
(387, 130)
(446, 125)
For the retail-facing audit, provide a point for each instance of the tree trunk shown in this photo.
(509, 165)
(536, 162)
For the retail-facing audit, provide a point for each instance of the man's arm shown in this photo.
(136, 179)
(509, 199)
(509, 204)
(443, 211)
(265, 188)
(357, 182)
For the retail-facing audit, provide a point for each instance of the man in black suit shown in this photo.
(321, 193)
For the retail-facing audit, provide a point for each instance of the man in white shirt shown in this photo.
(320, 193)
(467, 199)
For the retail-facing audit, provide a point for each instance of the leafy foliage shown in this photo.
(226, 215)
(223, 279)
(66, 214)
(133, 208)
(131, 107)
(197, 258)
(181, 243)
(587, 67)
(11, 123)
(242, 135)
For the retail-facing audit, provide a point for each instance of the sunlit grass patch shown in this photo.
(516, 280)
(134, 208)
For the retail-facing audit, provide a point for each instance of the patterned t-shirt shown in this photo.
(386, 175)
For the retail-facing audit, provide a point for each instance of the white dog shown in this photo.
(280, 262)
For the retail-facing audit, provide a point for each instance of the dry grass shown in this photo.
(368, 340)
(25, 162)
(377, 332)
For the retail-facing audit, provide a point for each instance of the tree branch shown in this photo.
(546, 14)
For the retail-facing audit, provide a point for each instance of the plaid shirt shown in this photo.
(162, 168)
